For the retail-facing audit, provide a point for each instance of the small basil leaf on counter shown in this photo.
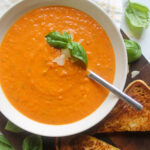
(4, 140)
(78, 52)
(133, 50)
(137, 17)
(32, 142)
(13, 128)
(5, 144)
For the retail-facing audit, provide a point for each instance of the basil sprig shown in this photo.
(13, 128)
(5, 144)
(57, 40)
(137, 17)
(32, 142)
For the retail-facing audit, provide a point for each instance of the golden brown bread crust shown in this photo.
(122, 118)
(85, 142)
(125, 118)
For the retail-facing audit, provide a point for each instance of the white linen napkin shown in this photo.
(112, 7)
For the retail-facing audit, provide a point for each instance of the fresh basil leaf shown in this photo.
(78, 52)
(67, 36)
(5, 147)
(4, 140)
(137, 17)
(5, 144)
(55, 35)
(56, 43)
(13, 128)
(133, 50)
(57, 40)
(32, 142)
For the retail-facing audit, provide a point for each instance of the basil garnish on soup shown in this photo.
(64, 41)
(57, 40)
(78, 51)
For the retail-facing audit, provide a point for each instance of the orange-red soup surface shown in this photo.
(38, 87)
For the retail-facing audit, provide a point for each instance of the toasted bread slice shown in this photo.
(85, 142)
(124, 117)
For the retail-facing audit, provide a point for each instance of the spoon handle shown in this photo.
(115, 91)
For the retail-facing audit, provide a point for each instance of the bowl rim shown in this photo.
(60, 130)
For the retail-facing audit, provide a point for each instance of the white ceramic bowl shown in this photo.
(97, 13)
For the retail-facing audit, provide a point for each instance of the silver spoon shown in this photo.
(115, 91)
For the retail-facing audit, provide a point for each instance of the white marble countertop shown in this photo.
(144, 40)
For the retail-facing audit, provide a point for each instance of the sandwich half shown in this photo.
(125, 118)
(84, 142)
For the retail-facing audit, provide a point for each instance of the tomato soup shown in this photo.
(37, 86)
